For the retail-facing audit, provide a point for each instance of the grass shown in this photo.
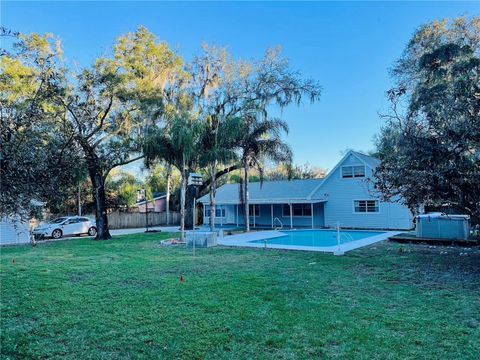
(123, 298)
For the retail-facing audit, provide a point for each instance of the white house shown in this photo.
(13, 231)
(345, 196)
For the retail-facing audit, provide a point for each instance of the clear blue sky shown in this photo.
(347, 46)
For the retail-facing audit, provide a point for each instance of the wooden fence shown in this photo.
(125, 220)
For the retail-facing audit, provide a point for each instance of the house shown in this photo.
(345, 197)
(14, 230)
(158, 203)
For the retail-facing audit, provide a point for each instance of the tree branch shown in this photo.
(219, 174)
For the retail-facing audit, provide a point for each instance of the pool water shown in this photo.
(318, 238)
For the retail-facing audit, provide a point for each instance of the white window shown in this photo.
(366, 206)
(297, 209)
(218, 212)
(357, 171)
(254, 210)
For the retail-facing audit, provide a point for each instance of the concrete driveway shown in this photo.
(122, 232)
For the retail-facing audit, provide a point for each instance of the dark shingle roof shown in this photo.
(268, 191)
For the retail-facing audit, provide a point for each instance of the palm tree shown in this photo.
(178, 144)
(220, 139)
(260, 140)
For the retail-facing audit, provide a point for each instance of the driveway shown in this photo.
(123, 232)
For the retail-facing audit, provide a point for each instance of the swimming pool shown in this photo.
(318, 238)
(324, 240)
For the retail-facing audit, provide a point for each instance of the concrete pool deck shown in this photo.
(245, 240)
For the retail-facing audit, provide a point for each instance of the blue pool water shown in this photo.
(318, 237)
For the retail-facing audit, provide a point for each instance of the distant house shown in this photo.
(157, 204)
(345, 197)
(15, 229)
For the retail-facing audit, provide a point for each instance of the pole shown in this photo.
(79, 199)
(194, 237)
(291, 217)
(237, 214)
(338, 235)
(194, 211)
(271, 211)
(311, 209)
(221, 215)
(146, 215)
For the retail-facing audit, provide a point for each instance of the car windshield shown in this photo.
(57, 221)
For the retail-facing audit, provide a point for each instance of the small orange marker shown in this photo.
(182, 280)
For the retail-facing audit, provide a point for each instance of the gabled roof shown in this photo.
(368, 160)
(151, 200)
(284, 191)
(268, 192)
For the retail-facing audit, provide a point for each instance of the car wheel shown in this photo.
(57, 234)
(92, 231)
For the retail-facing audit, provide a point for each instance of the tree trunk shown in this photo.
(98, 184)
(189, 208)
(246, 202)
(213, 201)
(183, 191)
(167, 200)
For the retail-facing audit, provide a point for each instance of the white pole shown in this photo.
(194, 239)
(254, 215)
(194, 212)
(237, 214)
(271, 210)
(221, 215)
(291, 217)
(338, 236)
(79, 200)
(311, 209)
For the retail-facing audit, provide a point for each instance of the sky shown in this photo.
(347, 46)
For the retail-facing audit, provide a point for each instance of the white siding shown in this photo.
(12, 231)
(342, 192)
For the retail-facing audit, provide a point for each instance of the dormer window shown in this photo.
(357, 171)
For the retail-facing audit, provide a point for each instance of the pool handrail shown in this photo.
(281, 224)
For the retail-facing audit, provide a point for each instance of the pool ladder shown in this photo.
(338, 250)
(281, 224)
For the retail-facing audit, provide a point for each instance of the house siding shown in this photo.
(341, 194)
(13, 231)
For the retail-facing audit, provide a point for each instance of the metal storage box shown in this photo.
(443, 226)
(202, 238)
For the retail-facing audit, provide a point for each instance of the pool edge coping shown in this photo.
(245, 240)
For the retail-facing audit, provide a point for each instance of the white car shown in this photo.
(68, 225)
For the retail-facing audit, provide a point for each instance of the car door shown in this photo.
(84, 225)
(70, 227)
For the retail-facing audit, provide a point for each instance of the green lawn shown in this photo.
(82, 299)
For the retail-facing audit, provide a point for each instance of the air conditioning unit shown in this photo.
(443, 226)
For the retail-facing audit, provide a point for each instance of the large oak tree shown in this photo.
(430, 144)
